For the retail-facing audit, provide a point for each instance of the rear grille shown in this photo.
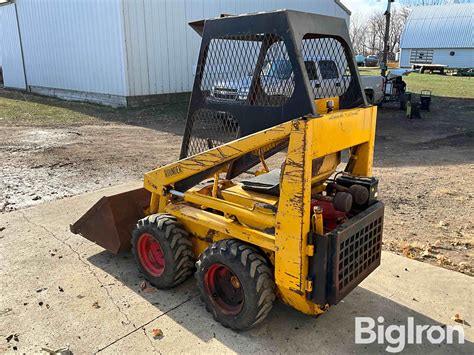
(347, 255)
(225, 94)
(356, 251)
(359, 252)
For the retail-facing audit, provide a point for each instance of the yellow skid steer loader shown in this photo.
(306, 232)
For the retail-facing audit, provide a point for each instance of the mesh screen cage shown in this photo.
(258, 70)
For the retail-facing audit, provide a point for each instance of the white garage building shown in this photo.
(439, 35)
(116, 52)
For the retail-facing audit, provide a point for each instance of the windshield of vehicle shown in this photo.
(279, 69)
(328, 69)
(311, 69)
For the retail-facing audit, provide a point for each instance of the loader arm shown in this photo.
(333, 132)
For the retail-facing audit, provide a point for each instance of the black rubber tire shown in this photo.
(369, 94)
(176, 247)
(254, 274)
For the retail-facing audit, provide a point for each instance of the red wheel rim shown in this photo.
(151, 255)
(225, 289)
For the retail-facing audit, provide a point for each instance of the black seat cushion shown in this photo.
(268, 183)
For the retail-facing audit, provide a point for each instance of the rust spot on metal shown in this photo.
(296, 291)
(210, 236)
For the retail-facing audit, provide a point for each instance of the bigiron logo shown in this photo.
(397, 336)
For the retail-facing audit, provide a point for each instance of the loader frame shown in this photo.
(309, 139)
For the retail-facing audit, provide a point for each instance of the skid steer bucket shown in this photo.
(110, 221)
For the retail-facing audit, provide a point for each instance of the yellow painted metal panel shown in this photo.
(293, 218)
(222, 224)
(171, 173)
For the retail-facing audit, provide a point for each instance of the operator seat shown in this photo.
(268, 183)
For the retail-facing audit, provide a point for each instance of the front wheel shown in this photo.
(163, 250)
(236, 284)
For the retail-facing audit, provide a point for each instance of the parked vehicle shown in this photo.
(324, 75)
(373, 86)
(372, 61)
(360, 60)
(277, 77)
(380, 89)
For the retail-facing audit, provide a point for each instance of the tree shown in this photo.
(358, 34)
(367, 33)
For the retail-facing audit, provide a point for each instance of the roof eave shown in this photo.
(342, 6)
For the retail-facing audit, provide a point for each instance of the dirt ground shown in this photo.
(51, 149)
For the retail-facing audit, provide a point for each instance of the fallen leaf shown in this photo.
(406, 251)
(143, 285)
(157, 332)
(457, 318)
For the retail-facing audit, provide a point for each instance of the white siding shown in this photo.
(463, 57)
(405, 58)
(12, 64)
(162, 49)
(73, 45)
(106, 50)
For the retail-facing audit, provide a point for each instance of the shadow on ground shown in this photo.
(333, 330)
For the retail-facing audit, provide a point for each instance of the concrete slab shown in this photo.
(58, 289)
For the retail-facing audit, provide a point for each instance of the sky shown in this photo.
(369, 6)
(366, 6)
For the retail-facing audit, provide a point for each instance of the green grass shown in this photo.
(18, 108)
(440, 85)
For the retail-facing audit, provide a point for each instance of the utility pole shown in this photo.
(386, 38)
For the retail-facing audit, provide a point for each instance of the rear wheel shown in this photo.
(236, 284)
(163, 250)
